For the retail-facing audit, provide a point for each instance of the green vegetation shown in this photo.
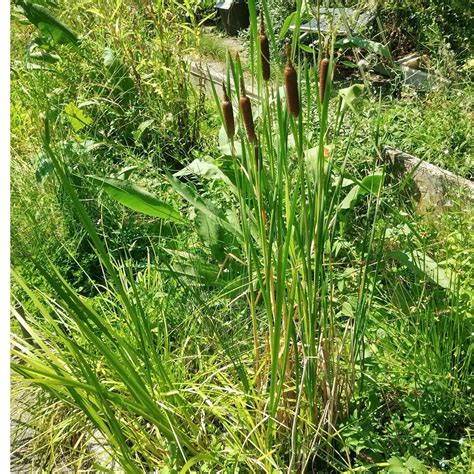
(198, 288)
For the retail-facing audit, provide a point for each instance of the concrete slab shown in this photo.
(433, 188)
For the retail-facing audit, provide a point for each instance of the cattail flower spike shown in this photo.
(291, 86)
(228, 114)
(323, 74)
(246, 111)
(264, 50)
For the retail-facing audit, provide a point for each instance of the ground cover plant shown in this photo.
(227, 284)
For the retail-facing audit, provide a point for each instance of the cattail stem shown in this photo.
(323, 74)
(246, 111)
(291, 87)
(264, 50)
(228, 114)
(258, 156)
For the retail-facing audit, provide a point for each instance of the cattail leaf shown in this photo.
(264, 50)
(138, 199)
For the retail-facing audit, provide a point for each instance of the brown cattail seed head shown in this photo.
(323, 74)
(264, 50)
(246, 111)
(228, 114)
(291, 87)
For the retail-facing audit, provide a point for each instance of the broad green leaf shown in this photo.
(138, 199)
(420, 263)
(212, 234)
(286, 25)
(208, 170)
(350, 94)
(349, 201)
(347, 309)
(47, 23)
(349, 64)
(125, 173)
(202, 205)
(44, 168)
(305, 48)
(311, 158)
(77, 117)
(40, 50)
(372, 184)
(119, 73)
(395, 465)
(368, 45)
(109, 57)
(208, 228)
(415, 465)
(226, 149)
(137, 134)
(201, 168)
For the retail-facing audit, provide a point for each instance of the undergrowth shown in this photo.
(192, 294)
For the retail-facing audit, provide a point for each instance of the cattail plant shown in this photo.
(228, 114)
(323, 73)
(291, 86)
(306, 360)
(246, 111)
(264, 50)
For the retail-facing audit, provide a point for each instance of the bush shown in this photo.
(430, 25)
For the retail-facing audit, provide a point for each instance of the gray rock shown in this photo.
(433, 188)
(420, 79)
(413, 76)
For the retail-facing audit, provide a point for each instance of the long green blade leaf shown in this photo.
(138, 199)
